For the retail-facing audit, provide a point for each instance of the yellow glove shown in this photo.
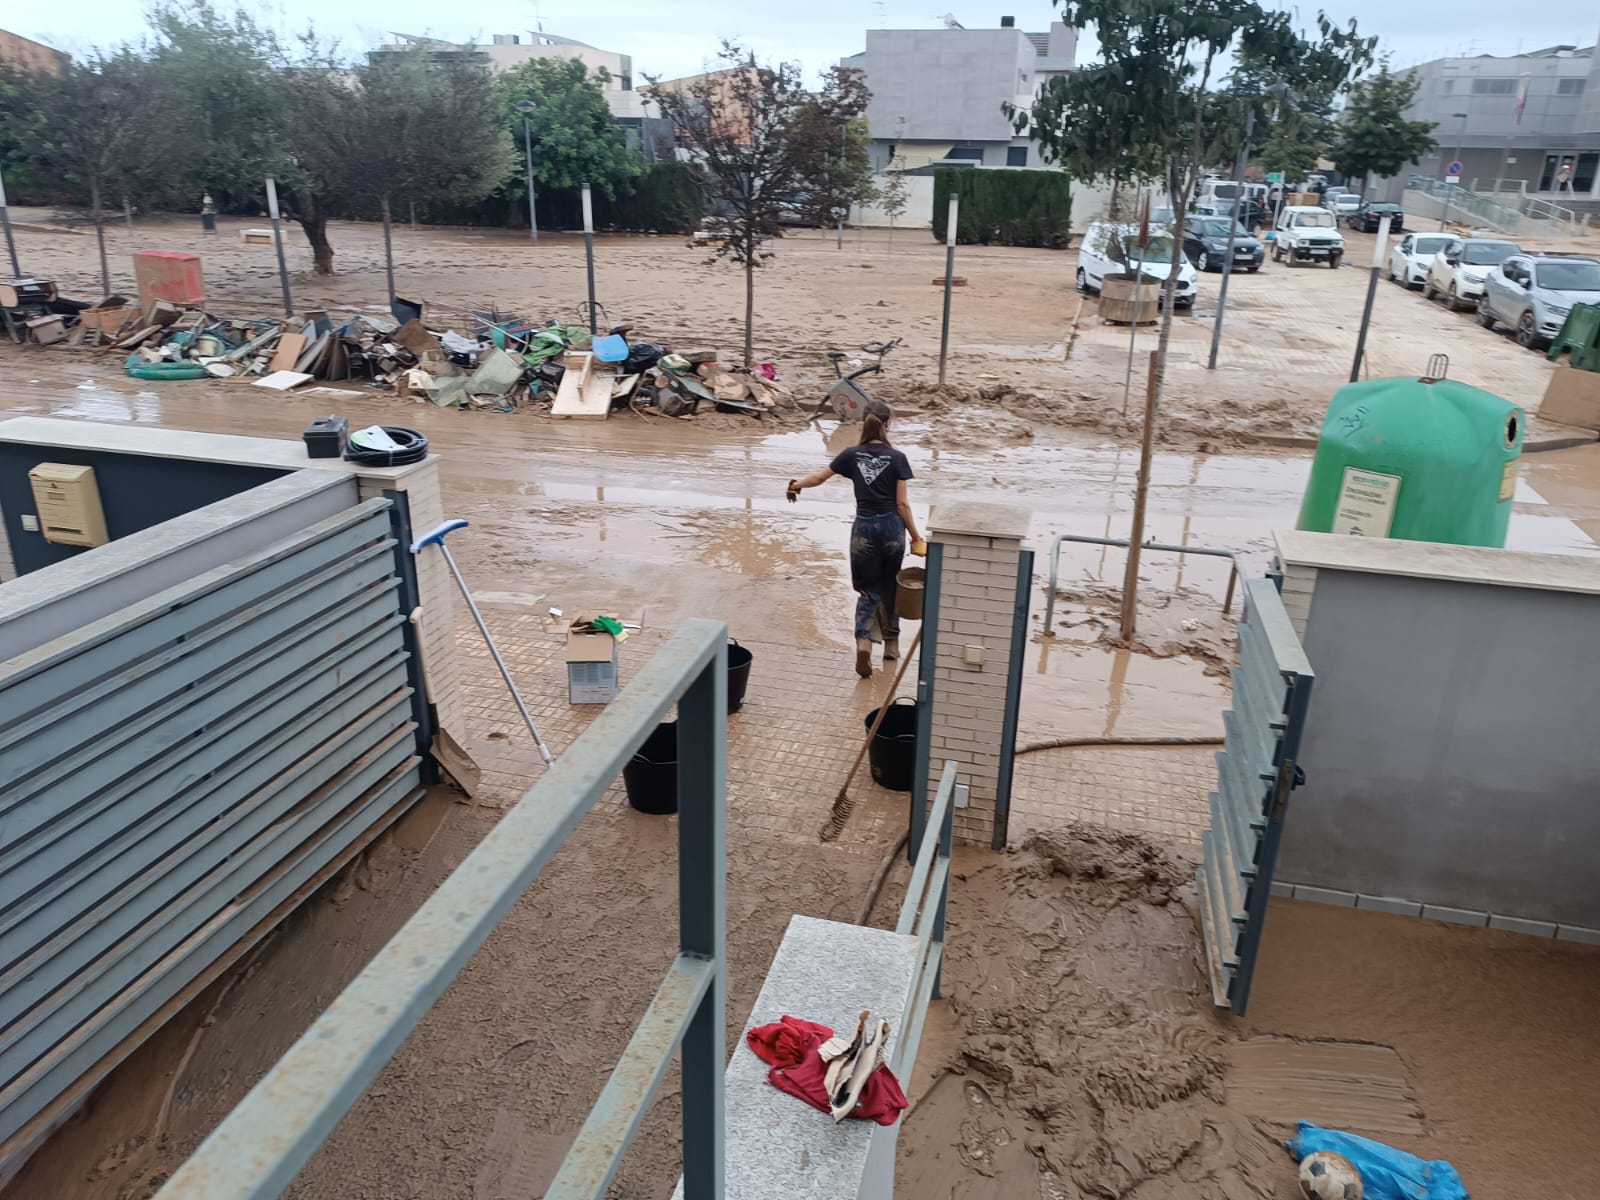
(919, 548)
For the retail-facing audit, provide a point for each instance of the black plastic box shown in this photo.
(325, 437)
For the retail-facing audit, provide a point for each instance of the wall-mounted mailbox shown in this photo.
(69, 504)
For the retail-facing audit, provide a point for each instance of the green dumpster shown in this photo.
(1580, 333)
(1430, 460)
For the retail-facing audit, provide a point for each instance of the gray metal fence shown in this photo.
(174, 774)
(264, 1142)
(922, 913)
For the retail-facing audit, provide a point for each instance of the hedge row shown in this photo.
(1004, 208)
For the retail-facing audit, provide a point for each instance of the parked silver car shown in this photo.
(1533, 294)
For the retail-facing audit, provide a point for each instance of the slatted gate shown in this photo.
(176, 773)
(1256, 770)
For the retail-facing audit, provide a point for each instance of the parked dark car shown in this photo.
(1205, 241)
(1369, 216)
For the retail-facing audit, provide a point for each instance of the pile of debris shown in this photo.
(506, 364)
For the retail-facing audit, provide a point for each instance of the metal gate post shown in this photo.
(1008, 729)
(925, 670)
(410, 603)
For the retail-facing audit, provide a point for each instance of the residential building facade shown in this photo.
(1514, 122)
(508, 50)
(937, 93)
(30, 55)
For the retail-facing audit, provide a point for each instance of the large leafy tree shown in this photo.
(1374, 137)
(746, 126)
(574, 139)
(831, 140)
(110, 125)
(1150, 107)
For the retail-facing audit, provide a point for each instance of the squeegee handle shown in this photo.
(437, 536)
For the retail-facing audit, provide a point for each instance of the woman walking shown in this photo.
(878, 538)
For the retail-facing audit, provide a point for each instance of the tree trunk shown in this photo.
(315, 226)
(749, 309)
(388, 250)
(100, 236)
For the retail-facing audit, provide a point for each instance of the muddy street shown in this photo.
(1077, 1054)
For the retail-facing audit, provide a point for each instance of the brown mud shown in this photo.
(1082, 1058)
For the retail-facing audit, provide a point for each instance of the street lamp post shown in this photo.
(1444, 216)
(5, 223)
(526, 107)
(1277, 91)
(644, 130)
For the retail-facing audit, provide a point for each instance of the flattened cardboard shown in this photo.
(1572, 397)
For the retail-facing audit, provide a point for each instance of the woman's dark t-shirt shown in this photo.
(875, 470)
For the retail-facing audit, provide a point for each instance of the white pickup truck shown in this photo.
(1305, 234)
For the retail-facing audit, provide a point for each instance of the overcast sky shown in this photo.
(676, 37)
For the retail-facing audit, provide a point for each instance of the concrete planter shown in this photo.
(1119, 297)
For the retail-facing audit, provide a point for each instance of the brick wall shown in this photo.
(977, 597)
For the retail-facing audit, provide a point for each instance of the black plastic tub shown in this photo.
(651, 776)
(893, 753)
(739, 660)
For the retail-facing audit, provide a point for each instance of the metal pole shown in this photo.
(949, 277)
(1445, 215)
(844, 131)
(1227, 263)
(277, 240)
(588, 250)
(5, 222)
(1372, 293)
(527, 153)
(1130, 578)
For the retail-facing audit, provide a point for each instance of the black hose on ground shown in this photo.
(413, 449)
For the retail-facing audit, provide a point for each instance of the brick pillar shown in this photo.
(977, 597)
(437, 591)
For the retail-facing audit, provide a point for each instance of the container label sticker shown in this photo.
(1366, 503)
(1508, 480)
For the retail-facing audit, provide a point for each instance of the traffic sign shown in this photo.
(1453, 169)
(1274, 176)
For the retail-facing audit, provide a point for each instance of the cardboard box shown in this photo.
(1572, 397)
(594, 674)
(47, 331)
(169, 275)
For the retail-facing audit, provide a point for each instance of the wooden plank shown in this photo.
(290, 347)
(583, 393)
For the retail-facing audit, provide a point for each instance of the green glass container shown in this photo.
(1431, 460)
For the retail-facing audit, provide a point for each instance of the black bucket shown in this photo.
(651, 776)
(893, 753)
(739, 660)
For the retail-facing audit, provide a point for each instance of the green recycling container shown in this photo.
(1430, 460)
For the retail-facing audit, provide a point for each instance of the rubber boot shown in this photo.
(891, 649)
(864, 657)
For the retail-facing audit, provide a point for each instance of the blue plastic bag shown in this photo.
(1386, 1173)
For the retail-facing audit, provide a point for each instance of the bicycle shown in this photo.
(847, 398)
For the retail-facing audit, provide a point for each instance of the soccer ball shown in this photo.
(1328, 1176)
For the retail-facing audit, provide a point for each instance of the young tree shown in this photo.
(108, 123)
(574, 139)
(894, 195)
(740, 125)
(831, 143)
(1374, 137)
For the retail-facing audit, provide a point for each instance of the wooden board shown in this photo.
(290, 347)
(584, 392)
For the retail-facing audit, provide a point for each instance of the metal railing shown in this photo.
(1459, 199)
(922, 912)
(1546, 210)
(1055, 565)
(259, 1148)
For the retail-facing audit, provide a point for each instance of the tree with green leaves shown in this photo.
(741, 125)
(1374, 137)
(894, 195)
(574, 139)
(109, 124)
(831, 140)
(1149, 108)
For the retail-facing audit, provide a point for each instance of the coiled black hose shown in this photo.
(413, 449)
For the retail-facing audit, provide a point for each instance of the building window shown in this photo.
(1016, 156)
(1569, 87)
(972, 152)
(1446, 86)
(1494, 87)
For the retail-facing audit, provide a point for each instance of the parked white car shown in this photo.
(1108, 248)
(1341, 204)
(1305, 234)
(1461, 266)
(1410, 259)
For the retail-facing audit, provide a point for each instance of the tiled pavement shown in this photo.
(790, 746)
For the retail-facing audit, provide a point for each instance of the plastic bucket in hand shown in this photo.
(909, 586)
(739, 660)
(651, 776)
(893, 753)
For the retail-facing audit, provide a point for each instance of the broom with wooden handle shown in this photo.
(843, 805)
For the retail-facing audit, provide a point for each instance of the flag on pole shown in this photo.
(1522, 99)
